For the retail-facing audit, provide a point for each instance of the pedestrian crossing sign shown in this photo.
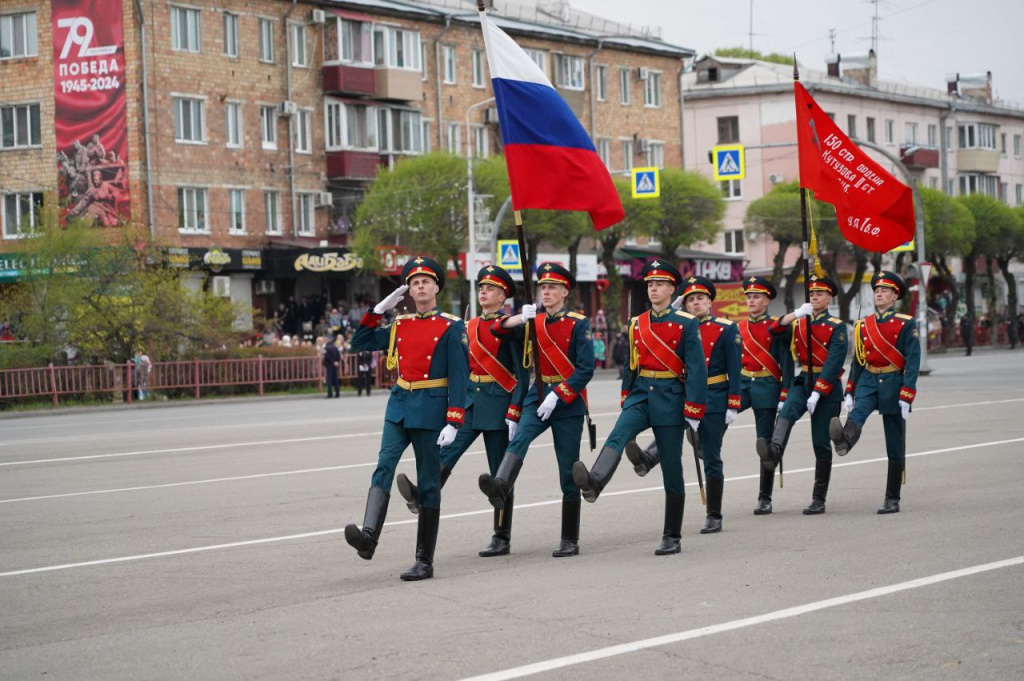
(728, 162)
(508, 254)
(646, 183)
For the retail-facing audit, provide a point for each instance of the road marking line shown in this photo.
(449, 516)
(679, 637)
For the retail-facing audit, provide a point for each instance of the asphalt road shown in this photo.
(206, 542)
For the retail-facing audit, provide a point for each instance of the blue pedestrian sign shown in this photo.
(728, 162)
(646, 183)
(508, 254)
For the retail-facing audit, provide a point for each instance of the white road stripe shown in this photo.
(644, 644)
(465, 514)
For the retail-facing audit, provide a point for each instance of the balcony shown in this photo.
(352, 165)
(916, 157)
(350, 80)
(399, 84)
(977, 161)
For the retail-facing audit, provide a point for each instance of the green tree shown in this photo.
(948, 226)
(990, 218)
(744, 53)
(692, 208)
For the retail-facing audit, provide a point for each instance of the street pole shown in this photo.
(471, 211)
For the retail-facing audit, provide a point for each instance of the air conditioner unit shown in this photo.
(491, 115)
(264, 287)
(221, 286)
(287, 108)
(643, 146)
(642, 73)
(323, 199)
(776, 178)
(317, 16)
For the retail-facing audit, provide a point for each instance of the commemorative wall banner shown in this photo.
(90, 113)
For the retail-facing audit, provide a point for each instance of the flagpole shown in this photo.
(526, 261)
(807, 269)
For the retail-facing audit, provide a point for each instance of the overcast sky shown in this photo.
(921, 40)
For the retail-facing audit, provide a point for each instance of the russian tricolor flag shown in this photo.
(552, 163)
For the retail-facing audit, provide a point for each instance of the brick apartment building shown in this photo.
(253, 127)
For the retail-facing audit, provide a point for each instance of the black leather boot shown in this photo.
(892, 488)
(499, 487)
(426, 540)
(771, 451)
(764, 495)
(501, 540)
(713, 523)
(643, 460)
(843, 437)
(411, 493)
(673, 531)
(591, 483)
(364, 540)
(822, 474)
(570, 544)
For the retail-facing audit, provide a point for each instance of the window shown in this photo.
(569, 75)
(188, 120)
(947, 138)
(192, 210)
(230, 34)
(625, 80)
(478, 68)
(268, 127)
(1004, 192)
(979, 184)
(300, 55)
(236, 201)
(428, 137)
(454, 139)
(233, 124)
(732, 190)
(396, 48)
(933, 183)
(871, 129)
(266, 40)
(1002, 143)
(401, 130)
(910, 133)
(728, 129)
(933, 135)
(1020, 194)
(423, 60)
(652, 89)
(1017, 143)
(19, 126)
(307, 224)
(539, 58)
(977, 136)
(355, 42)
(604, 151)
(302, 126)
(831, 116)
(890, 131)
(655, 154)
(733, 241)
(351, 126)
(185, 29)
(601, 83)
(20, 213)
(851, 125)
(627, 154)
(448, 60)
(481, 142)
(18, 35)
(272, 211)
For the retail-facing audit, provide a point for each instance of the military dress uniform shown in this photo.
(429, 351)
(766, 375)
(883, 378)
(498, 382)
(566, 366)
(665, 384)
(830, 344)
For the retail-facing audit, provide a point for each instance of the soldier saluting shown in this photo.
(767, 372)
(497, 386)
(828, 355)
(664, 389)
(559, 401)
(887, 357)
(425, 409)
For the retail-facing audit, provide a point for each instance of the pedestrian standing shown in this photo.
(599, 351)
(967, 333)
(364, 372)
(143, 367)
(332, 365)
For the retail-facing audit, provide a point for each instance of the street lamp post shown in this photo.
(471, 210)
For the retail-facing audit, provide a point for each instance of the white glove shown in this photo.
(529, 312)
(677, 304)
(694, 423)
(447, 435)
(393, 299)
(512, 426)
(730, 416)
(904, 409)
(782, 403)
(848, 403)
(547, 406)
(804, 310)
(812, 402)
